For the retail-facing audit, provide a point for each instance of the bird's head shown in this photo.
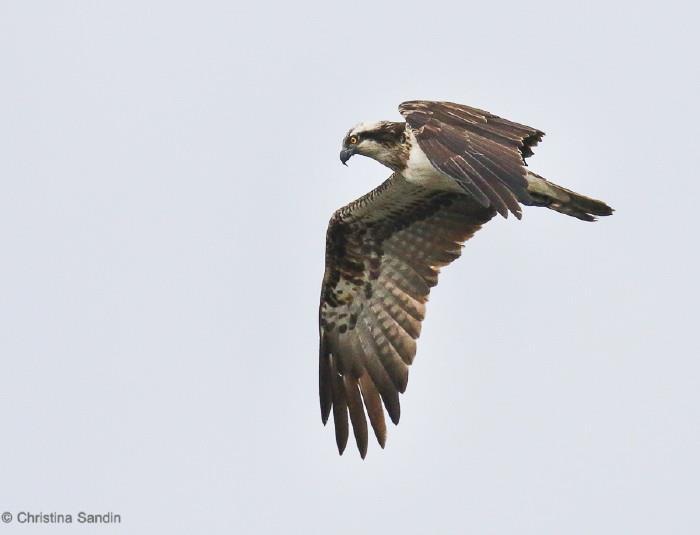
(384, 141)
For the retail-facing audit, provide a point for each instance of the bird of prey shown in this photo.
(454, 168)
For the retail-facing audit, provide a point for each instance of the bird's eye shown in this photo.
(353, 140)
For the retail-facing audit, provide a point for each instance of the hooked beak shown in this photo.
(345, 155)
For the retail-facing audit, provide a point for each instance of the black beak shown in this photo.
(345, 155)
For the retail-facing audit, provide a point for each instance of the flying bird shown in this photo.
(454, 168)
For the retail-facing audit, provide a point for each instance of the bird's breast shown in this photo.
(421, 172)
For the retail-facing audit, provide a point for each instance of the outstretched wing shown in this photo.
(482, 152)
(383, 254)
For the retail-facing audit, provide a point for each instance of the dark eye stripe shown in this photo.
(381, 136)
(388, 134)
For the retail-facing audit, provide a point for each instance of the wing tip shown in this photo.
(395, 416)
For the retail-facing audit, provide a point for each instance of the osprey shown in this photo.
(454, 168)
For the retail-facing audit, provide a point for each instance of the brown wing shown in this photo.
(482, 152)
(383, 254)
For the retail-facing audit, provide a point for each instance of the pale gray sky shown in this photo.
(167, 173)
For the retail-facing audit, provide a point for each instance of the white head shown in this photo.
(384, 141)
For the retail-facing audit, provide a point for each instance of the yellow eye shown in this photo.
(353, 140)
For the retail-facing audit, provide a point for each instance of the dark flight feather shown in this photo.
(385, 250)
(383, 254)
(484, 153)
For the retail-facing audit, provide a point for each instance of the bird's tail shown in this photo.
(545, 193)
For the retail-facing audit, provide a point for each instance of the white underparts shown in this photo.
(421, 172)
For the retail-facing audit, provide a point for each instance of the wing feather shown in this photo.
(373, 403)
(416, 262)
(484, 153)
(403, 343)
(383, 254)
(391, 361)
(340, 408)
(357, 413)
(325, 378)
(387, 389)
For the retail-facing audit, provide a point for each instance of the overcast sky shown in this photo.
(167, 171)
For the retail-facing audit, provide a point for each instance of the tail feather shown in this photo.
(545, 193)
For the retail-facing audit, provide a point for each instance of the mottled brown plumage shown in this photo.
(454, 167)
(384, 253)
